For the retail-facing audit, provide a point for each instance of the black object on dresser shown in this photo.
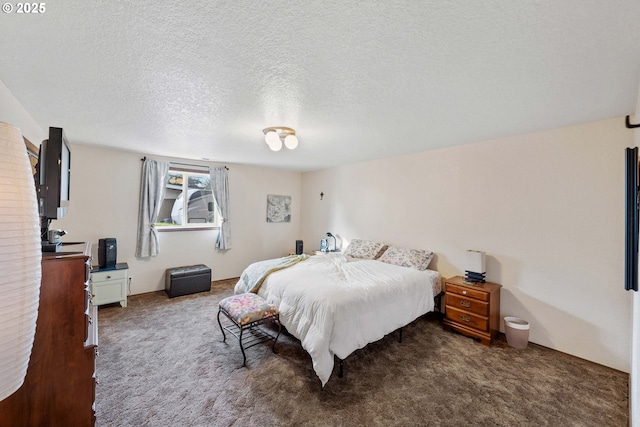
(107, 252)
(187, 280)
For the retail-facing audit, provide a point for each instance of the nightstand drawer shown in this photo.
(104, 276)
(467, 304)
(467, 319)
(466, 291)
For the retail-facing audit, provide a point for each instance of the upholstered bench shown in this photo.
(246, 312)
(187, 280)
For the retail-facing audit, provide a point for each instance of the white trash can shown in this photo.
(517, 332)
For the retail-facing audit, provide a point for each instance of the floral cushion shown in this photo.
(247, 308)
(365, 249)
(413, 258)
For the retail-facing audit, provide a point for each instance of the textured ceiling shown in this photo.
(357, 80)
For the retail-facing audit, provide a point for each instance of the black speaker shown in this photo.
(107, 252)
(298, 247)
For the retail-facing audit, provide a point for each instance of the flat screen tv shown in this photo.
(631, 220)
(52, 175)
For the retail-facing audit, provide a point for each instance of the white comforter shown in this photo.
(335, 305)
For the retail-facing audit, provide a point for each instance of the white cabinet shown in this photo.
(110, 285)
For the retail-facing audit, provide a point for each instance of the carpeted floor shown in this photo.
(162, 363)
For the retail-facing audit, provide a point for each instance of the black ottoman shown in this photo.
(187, 280)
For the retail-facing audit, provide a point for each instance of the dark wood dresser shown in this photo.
(59, 389)
(472, 309)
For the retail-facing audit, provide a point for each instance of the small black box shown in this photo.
(107, 253)
(299, 247)
(187, 280)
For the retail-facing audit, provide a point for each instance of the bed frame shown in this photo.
(437, 309)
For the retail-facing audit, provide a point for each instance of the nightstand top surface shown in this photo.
(119, 266)
(460, 281)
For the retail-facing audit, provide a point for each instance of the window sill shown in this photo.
(171, 229)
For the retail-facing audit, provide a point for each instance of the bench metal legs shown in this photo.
(257, 335)
(224, 336)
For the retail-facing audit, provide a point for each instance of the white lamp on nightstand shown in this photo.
(475, 269)
(335, 247)
(20, 260)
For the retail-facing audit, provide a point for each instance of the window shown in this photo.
(188, 202)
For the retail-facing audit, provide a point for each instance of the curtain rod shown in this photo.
(184, 164)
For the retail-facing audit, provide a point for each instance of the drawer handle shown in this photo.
(465, 318)
(466, 304)
(108, 277)
(464, 292)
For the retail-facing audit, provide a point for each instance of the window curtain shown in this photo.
(220, 187)
(152, 189)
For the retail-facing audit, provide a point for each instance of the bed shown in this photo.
(335, 303)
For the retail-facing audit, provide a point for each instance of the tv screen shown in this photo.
(54, 170)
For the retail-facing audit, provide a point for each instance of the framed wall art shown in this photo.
(278, 208)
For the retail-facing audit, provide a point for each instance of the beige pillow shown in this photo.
(366, 249)
(412, 258)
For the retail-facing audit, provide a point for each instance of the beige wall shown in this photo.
(547, 208)
(13, 113)
(105, 185)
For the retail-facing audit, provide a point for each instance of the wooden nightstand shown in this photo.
(472, 310)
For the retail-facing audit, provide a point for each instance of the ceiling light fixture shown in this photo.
(274, 137)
